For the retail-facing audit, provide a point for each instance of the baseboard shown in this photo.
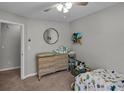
(30, 75)
(11, 68)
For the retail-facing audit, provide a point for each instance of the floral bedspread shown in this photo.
(99, 80)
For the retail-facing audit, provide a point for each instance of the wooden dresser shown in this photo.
(50, 64)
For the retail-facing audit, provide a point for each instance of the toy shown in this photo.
(81, 67)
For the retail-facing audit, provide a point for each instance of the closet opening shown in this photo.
(11, 49)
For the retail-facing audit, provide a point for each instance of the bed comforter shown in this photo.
(99, 80)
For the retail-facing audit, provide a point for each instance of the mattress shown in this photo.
(99, 80)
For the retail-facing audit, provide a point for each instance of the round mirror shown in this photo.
(51, 36)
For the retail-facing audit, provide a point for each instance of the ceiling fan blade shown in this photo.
(49, 8)
(81, 3)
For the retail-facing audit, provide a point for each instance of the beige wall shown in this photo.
(103, 40)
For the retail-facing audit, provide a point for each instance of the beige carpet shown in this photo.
(60, 81)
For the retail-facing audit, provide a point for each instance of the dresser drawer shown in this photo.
(61, 64)
(46, 64)
(46, 71)
(61, 68)
(46, 59)
(53, 58)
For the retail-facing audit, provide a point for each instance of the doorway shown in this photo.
(12, 46)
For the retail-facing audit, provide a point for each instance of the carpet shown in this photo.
(59, 81)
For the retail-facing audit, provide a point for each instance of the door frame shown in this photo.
(22, 53)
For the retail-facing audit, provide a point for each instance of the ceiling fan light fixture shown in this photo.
(64, 7)
(65, 10)
(59, 7)
(68, 5)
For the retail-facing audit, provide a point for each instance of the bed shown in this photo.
(99, 80)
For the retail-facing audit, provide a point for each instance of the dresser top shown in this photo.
(48, 54)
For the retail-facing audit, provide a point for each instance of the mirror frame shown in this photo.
(56, 33)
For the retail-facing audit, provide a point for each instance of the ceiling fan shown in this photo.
(65, 6)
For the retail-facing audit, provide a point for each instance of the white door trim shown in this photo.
(22, 54)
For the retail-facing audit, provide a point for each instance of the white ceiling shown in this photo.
(34, 10)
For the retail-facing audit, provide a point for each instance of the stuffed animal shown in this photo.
(81, 67)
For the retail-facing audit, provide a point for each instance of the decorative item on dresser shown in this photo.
(49, 62)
